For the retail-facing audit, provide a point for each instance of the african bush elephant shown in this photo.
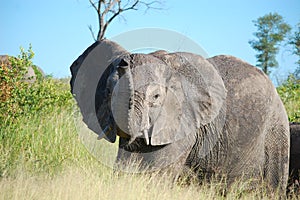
(180, 111)
(295, 150)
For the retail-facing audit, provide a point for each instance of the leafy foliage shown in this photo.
(19, 97)
(295, 42)
(290, 95)
(271, 31)
(34, 131)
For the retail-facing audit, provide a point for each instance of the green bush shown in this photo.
(37, 129)
(19, 97)
(289, 92)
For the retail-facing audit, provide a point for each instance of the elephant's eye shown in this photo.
(156, 96)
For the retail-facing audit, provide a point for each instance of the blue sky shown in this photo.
(58, 29)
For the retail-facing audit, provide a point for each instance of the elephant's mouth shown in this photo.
(122, 134)
(143, 136)
(139, 145)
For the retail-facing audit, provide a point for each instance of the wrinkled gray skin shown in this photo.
(179, 111)
(295, 150)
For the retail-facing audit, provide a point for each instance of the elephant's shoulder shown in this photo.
(244, 82)
(236, 71)
(234, 65)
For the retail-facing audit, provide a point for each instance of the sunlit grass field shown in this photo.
(95, 183)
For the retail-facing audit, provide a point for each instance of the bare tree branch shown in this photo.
(92, 32)
(151, 4)
(107, 11)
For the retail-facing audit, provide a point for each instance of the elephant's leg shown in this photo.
(277, 158)
(294, 158)
(295, 151)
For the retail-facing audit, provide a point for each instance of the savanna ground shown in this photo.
(43, 157)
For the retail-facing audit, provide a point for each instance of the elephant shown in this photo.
(295, 151)
(179, 111)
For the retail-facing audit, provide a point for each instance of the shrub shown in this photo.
(19, 97)
(36, 127)
(289, 92)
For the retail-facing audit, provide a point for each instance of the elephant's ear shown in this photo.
(90, 73)
(195, 96)
(166, 125)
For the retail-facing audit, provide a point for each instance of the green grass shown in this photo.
(41, 144)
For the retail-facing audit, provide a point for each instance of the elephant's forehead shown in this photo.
(144, 75)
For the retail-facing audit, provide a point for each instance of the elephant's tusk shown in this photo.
(146, 136)
(104, 132)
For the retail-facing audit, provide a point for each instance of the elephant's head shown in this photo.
(161, 97)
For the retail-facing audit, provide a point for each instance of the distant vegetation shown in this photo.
(289, 92)
(20, 98)
(271, 31)
(32, 116)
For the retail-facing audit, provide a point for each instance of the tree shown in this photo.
(108, 10)
(295, 42)
(271, 31)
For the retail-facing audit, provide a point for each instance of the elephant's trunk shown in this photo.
(122, 98)
(128, 107)
(139, 123)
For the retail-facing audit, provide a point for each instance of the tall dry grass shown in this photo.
(44, 159)
(88, 183)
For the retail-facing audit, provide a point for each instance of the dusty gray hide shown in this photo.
(179, 111)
